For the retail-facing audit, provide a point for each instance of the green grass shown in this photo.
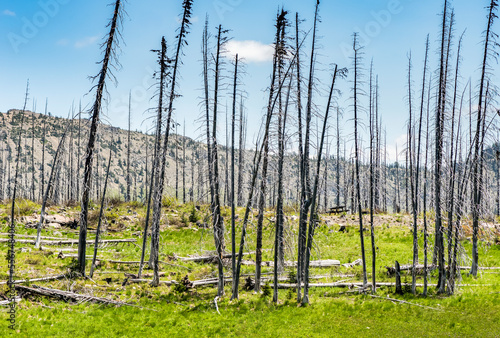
(474, 311)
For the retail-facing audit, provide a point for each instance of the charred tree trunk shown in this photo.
(96, 109)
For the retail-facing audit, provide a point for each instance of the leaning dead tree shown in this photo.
(162, 77)
(256, 163)
(56, 163)
(356, 94)
(109, 55)
(101, 214)
(181, 41)
(217, 220)
(489, 45)
(281, 23)
(305, 189)
(12, 228)
(313, 217)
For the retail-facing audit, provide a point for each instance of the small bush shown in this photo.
(266, 291)
(193, 215)
(169, 202)
(26, 208)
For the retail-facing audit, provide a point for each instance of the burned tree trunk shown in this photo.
(89, 157)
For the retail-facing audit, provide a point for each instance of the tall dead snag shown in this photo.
(42, 165)
(217, 220)
(305, 196)
(415, 196)
(101, 212)
(281, 23)
(280, 218)
(439, 242)
(313, 218)
(489, 44)
(56, 164)
(452, 170)
(158, 191)
(12, 229)
(424, 206)
(241, 154)
(96, 109)
(372, 179)
(204, 47)
(410, 151)
(337, 167)
(129, 177)
(162, 60)
(232, 201)
(33, 198)
(356, 94)
(256, 162)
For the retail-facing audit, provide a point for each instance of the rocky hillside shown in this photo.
(32, 159)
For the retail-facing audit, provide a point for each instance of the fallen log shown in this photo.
(420, 268)
(68, 296)
(212, 258)
(31, 236)
(71, 241)
(62, 256)
(326, 263)
(7, 302)
(42, 279)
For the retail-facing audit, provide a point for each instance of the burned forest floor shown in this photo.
(184, 304)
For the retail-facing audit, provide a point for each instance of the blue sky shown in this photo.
(55, 43)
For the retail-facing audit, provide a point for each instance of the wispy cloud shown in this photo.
(250, 50)
(86, 41)
(8, 12)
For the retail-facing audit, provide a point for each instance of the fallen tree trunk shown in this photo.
(391, 271)
(70, 241)
(7, 302)
(67, 296)
(31, 236)
(314, 264)
(42, 279)
(62, 256)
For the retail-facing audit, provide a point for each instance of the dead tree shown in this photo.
(42, 165)
(372, 181)
(232, 201)
(162, 60)
(96, 109)
(489, 44)
(129, 144)
(415, 197)
(241, 154)
(313, 218)
(305, 196)
(12, 228)
(439, 243)
(56, 164)
(158, 193)
(256, 163)
(101, 211)
(356, 93)
(453, 168)
(217, 220)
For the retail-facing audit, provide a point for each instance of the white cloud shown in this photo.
(400, 142)
(86, 41)
(8, 13)
(250, 50)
